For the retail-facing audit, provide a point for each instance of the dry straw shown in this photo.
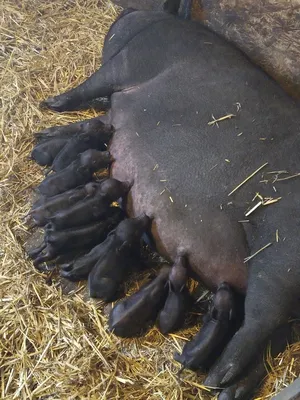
(56, 346)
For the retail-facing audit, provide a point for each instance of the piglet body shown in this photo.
(86, 235)
(44, 153)
(80, 268)
(70, 131)
(79, 144)
(132, 315)
(111, 270)
(172, 315)
(59, 242)
(79, 172)
(45, 208)
(93, 208)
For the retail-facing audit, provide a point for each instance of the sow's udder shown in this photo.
(216, 247)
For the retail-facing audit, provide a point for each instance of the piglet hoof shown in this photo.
(33, 254)
(29, 222)
(70, 275)
(38, 265)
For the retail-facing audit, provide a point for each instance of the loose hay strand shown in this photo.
(215, 121)
(248, 178)
(257, 252)
(55, 345)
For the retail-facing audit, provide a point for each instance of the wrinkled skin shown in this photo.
(167, 81)
(267, 31)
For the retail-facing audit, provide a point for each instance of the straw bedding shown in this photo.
(55, 345)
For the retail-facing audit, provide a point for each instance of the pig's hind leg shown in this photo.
(265, 311)
(252, 377)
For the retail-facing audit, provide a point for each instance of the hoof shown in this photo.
(234, 359)
(53, 103)
(70, 276)
(66, 267)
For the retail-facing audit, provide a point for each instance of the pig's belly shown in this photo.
(186, 215)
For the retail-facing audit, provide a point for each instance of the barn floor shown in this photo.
(53, 345)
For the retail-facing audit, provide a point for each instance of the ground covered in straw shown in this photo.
(56, 346)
